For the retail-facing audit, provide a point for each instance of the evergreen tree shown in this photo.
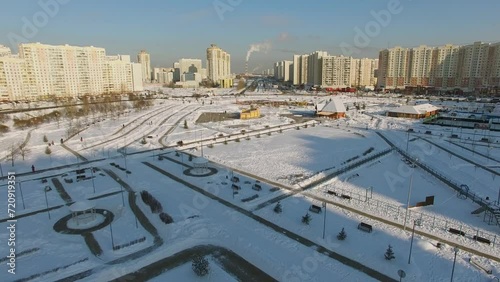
(342, 235)
(306, 219)
(45, 139)
(389, 254)
(200, 266)
(185, 124)
(48, 151)
(277, 208)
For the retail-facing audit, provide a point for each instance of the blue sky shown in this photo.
(170, 30)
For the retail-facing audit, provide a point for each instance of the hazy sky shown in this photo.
(170, 30)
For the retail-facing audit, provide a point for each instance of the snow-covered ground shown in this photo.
(288, 159)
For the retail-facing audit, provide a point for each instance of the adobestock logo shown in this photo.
(372, 29)
(40, 19)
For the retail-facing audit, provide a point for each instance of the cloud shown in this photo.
(284, 36)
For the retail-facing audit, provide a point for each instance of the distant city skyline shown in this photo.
(170, 30)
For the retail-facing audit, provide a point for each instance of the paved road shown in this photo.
(468, 149)
(306, 242)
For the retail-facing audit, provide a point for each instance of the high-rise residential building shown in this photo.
(283, 70)
(421, 65)
(445, 60)
(43, 71)
(117, 75)
(363, 72)
(314, 67)
(471, 67)
(63, 71)
(393, 68)
(218, 64)
(4, 51)
(336, 71)
(144, 59)
(13, 79)
(300, 69)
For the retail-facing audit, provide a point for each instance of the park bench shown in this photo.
(235, 179)
(481, 239)
(235, 187)
(257, 187)
(343, 196)
(456, 231)
(315, 209)
(330, 192)
(365, 227)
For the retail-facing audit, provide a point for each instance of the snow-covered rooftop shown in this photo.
(334, 106)
(81, 206)
(416, 109)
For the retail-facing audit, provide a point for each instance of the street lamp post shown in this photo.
(407, 140)
(454, 260)
(112, 241)
(92, 174)
(408, 201)
(415, 222)
(121, 191)
(324, 219)
(22, 198)
(47, 202)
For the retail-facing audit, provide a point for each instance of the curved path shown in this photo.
(231, 262)
(294, 236)
(173, 127)
(156, 112)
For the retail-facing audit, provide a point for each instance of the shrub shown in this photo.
(306, 219)
(200, 266)
(342, 235)
(167, 219)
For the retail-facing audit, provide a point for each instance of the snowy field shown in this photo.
(273, 158)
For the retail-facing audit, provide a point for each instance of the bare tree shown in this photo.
(23, 150)
(13, 153)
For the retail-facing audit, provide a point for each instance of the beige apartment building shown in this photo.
(218, 64)
(470, 67)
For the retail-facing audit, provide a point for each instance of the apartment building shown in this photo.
(300, 68)
(43, 71)
(4, 51)
(144, 59)
(471, 67)
(283, 70)
(336, 71)
(218, 64)
(363, 72)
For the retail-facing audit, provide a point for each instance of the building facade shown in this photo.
(473, 67)
(43, 71)
(218, 64)
(144, 59)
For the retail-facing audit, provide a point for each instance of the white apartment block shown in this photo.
(283, 70)
(300, 67)
(137, 80)
(43, 71)
(144, 59)
(186, 66)
(62, 71)
(117, 75)
(336, 71)
(314, 75)
(13, 79)
(218, 64)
